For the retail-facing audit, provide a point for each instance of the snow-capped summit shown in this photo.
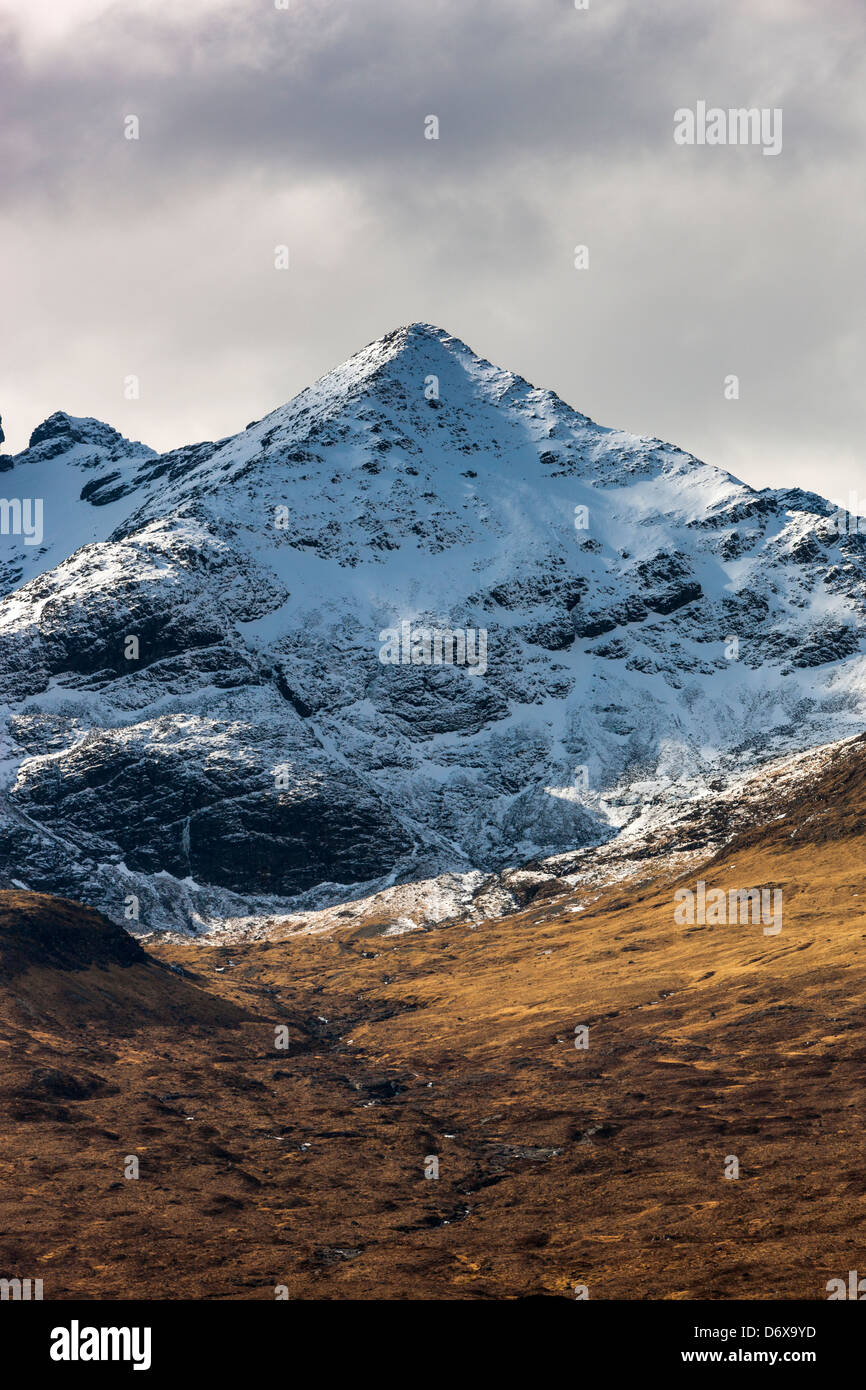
(63, 432)
(71, 467)
(425, 616)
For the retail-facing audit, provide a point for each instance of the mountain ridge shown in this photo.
(651, 623)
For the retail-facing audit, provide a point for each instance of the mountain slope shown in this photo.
(651, 622)
(607, 1166)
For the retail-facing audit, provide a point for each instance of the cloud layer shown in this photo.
(305, 127)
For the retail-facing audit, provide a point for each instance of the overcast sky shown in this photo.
(305, 127)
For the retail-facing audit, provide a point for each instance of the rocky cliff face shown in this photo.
(218, 674)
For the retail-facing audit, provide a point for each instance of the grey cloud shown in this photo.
(556, 128)
(345, 87)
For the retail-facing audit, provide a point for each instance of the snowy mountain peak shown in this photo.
(647, 619)
(62, 432)
(422, 366)
(74, 471)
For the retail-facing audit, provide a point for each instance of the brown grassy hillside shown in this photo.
(604, 1167)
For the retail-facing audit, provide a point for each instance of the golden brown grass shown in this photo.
(558, 1167)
